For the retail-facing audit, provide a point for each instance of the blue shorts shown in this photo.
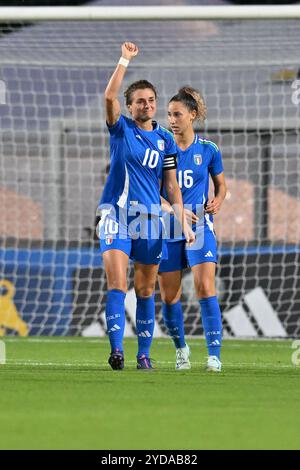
(179, 256)
(141, 242)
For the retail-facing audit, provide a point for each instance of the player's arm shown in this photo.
(112, 105)
(213, 206)
(175, 198)
(166, 207)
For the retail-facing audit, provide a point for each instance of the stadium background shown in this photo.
(54, 158)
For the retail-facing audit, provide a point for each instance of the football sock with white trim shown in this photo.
(212, 324)
(173, 318)
(115, 318)
(145, 321)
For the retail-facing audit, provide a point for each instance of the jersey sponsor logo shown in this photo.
(161, 144)
(208, 255)
(198, 159)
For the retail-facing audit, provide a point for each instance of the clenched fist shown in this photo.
(129, 50)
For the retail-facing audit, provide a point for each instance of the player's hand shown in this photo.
(189, 234)
(191, 218)
(213, 206)
(129, 50)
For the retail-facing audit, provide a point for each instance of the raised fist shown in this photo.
(129, 50)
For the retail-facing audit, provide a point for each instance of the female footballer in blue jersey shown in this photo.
(142, 155)
(197, 160)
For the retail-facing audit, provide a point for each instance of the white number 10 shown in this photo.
(151, 158)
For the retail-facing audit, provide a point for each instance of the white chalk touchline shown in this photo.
(232, 343)
(75, 363)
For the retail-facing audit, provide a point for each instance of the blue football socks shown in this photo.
(212, 324)
(145, 322)
(115, 318)
(173, 318)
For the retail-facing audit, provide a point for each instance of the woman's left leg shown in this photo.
(144, 285)
(204, 280)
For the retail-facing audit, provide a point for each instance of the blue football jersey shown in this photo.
(194, 165)
(138, 159)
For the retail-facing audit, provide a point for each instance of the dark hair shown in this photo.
(139, 85)
(193, 100)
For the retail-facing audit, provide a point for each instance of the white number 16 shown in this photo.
(185, 178)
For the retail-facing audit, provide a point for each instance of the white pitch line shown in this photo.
(239, 346)
(54, 341)
(101, 364)
(230, 344)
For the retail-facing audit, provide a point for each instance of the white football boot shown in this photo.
(182, 358)
(213, 364)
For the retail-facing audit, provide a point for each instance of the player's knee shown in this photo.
(204, 289)
(117, 284)
(170, 297)
(144, 291)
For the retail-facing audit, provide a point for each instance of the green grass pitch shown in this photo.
(59, 393)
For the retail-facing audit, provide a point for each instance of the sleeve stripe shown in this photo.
(209, 142)
(170, 162)
(172, 155)
(170, 167)
(169, 159)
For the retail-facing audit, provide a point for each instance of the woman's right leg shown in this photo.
(170, 291)
(116, 264)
